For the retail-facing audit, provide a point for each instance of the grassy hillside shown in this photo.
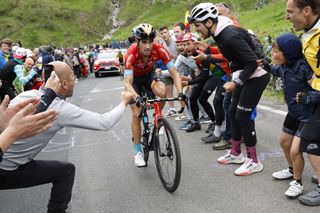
(268, 20)
(57, 22)
(76, 22)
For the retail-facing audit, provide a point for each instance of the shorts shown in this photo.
(292, 126)
(143, 83)
(310, 147)
(168, 80)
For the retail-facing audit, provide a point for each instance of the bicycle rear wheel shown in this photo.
(167, 155)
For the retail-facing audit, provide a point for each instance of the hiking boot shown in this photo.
(295, 189)
(248, 167)
(314, 179)
(222, 145)
(311, 198)
(210, 128)
(230, 158)
(193, 126)
(138, 160)
(211, 139)
(284, 174)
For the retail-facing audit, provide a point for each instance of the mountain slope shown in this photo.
(77, 22)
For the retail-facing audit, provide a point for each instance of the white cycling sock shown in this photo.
(217, 131)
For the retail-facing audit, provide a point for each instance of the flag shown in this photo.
(186, 22)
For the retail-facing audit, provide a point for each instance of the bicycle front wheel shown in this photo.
(167, 155)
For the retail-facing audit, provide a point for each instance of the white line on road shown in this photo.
(276, 111)
(270, 109)
(96, 90)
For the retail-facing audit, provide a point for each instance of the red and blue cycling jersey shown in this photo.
(133, 60)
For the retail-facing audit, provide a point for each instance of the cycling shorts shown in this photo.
(145, 82)
(292, 126)
(310, 147)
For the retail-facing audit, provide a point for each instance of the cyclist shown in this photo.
(140, 62)
(248, 83)
(120, 60)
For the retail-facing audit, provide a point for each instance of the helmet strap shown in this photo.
(208, 28)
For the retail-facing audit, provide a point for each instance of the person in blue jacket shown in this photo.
(296, 75)
(5, 54)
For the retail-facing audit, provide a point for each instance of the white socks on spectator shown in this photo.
(217, 131)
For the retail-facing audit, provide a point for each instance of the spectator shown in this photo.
(19, 170)
(5, 54)
(304, 15)
(14, 69)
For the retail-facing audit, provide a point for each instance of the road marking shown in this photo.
(96, 90)
(276, 111)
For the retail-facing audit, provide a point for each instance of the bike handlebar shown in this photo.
(157, 100)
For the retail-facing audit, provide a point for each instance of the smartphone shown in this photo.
(47, 71)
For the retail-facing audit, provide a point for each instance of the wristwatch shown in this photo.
(1, 153)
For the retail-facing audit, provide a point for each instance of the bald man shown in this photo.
(19, 170)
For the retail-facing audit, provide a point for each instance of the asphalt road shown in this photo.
(107, 181)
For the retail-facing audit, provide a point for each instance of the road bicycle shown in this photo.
(159, 136)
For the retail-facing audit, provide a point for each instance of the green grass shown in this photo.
(75, 22)
(273, 94)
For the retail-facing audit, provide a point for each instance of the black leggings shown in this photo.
(202, 92)
(36, 172)
(244, 100)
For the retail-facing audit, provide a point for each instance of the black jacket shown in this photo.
(236, 46)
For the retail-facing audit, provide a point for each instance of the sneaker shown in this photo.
(314, 179)
(204, 120)
(185, 125)
(230, 158)
(311, 198)
(211, 139)
(295, 189)
(248, 167)
(222, 145)
(210, 128)
(171, 113)
(138, 160)
(284, 174)
(193, 126)
(182, 117)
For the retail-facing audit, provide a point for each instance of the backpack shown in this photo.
(255, 44)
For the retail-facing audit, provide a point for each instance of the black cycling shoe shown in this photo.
(211, 139)
(193, 126)
(211, 127)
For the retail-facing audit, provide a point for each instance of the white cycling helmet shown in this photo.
(202, 12)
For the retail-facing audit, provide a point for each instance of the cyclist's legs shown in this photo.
(121, 69)
(169, 89)
(135, 124)
(152, 83)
